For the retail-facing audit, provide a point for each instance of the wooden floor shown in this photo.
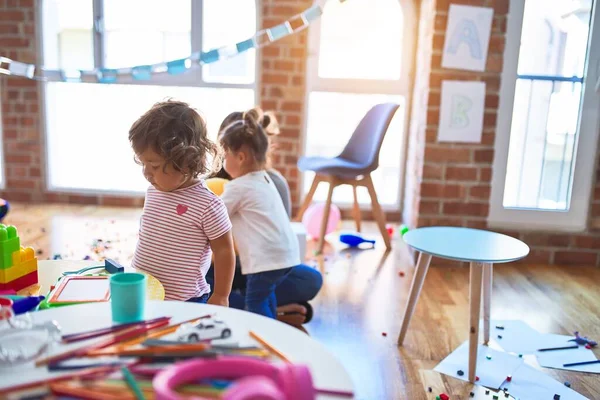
(363, 298)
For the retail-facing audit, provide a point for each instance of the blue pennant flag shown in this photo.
(107, 75)
(178, 66)
(245, 45)
(312, 13)
(71, 75)
(210, 56)
(142, 72)
(279, 31)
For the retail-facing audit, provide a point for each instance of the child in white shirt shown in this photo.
(266, 243)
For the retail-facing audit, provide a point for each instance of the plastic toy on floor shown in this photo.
(353, 240)
(4, 207)
(583, 340)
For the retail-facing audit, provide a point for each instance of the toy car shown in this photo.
(206, 330)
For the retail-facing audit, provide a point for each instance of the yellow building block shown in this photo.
(24, 262)
(11, 274)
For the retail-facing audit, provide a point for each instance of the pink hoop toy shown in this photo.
(256, 379)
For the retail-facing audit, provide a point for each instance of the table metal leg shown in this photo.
(415, 291)
(475, 282)
(488, 273)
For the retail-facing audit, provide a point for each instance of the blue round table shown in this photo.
(482, 249)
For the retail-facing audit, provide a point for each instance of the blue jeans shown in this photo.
(301, 285)
(260, 291)
(201, 299)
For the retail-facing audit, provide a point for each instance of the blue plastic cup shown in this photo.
(128, 296)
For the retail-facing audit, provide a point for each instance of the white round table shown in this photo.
(327, 371)
(482, 249)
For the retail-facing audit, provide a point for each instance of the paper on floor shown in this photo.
(556, 358)
(517, 336)
(492, 373)
(530, 383)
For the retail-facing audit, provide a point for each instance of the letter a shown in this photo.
(465, 32)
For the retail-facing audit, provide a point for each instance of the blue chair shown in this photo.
(353, 167)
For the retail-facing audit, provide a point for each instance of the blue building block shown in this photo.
(113, 267)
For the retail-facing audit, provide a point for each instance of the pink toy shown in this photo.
(256, 379)
(314, 215)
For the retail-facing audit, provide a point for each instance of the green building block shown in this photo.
(9, 243)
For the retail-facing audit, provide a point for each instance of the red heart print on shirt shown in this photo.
(181, 209)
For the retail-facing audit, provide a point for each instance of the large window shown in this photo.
(87, 124)
(548, 122)
(360, 54)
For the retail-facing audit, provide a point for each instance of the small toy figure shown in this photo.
(583, 340)
(206, 329)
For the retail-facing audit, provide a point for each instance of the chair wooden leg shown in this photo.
(308, 198)
(325, 219)
(378, 212)
(487, 299)
(415, 291)
(356, 209)
(475, 282)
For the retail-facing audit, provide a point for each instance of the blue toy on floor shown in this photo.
(354, 240)
(4, 207)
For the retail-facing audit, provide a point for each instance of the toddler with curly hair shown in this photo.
(183, 223)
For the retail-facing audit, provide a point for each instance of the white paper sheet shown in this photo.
(530, 383)
(461, 112)
(556, 358)
(492, 373)
(517, 336)
(467, 37)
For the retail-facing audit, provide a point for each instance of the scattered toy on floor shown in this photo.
(460, 372)
(488, 357)
(57, 257)
(509, 378)
(444, 396)
(429, 389)
(4, 207)
(472, 394)
(567, 384)
(403, 229)
(383, 333)
(354, 240)
(500, 327)
(390, 230)
(583, 340)
(499, 336)
(557, 397)
(401, 273)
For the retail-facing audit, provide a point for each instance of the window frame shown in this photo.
(575, 219)
(403, 87)
(192, 78)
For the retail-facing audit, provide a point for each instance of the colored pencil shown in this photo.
(148, 350)
(47, 381)
(269, 347)
(74, 367)
(132, 383)
(74, 337)
(340, 393)
(559, 348)
(83, 392)
(127, 334)
(581, 363)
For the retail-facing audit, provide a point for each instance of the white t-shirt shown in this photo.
(261, 227)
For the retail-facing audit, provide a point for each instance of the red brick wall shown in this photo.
(281, 86)
(451, 182)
